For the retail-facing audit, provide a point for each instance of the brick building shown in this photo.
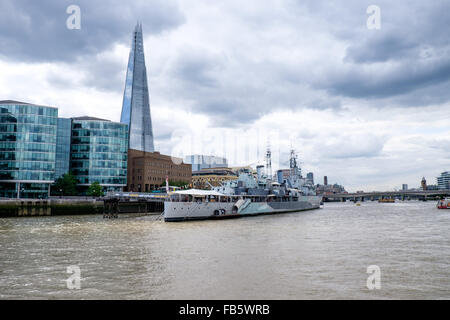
(147, 170)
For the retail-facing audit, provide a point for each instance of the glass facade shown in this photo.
(136, 101)
(200, 162)
(27, 149)
(98, 153)
(443, 181)
(63, 137)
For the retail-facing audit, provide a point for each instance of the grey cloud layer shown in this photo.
(255, 58)
(36, 30)
(406, 63)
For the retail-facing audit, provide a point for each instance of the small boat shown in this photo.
(443, 204)
(386, 200)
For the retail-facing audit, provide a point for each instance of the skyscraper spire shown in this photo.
(136, 101)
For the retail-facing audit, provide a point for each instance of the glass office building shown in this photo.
(63, 137)
(200, 162)
(27, 149)
(136, 101)
(98, 153)
(443, 181)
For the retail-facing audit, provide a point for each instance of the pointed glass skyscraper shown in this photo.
(136, 101)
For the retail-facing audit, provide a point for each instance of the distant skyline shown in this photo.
(370, 109)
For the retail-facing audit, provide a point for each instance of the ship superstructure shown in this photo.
(248, 195)
(295, 179)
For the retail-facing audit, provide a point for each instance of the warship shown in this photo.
(249, 195)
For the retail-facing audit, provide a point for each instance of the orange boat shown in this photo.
(443, 204)
(386, 200)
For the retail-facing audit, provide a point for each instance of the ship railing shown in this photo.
(222, 199)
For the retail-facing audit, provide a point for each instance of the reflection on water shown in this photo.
(320, 254)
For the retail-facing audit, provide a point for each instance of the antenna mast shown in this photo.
(268, 162)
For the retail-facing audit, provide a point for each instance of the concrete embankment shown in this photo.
(49, 207)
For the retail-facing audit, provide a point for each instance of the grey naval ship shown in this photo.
(246, 196)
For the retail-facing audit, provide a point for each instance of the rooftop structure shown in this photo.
(90, 118)
(200, 162)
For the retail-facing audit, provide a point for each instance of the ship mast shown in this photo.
(269, 163)
(293, 164)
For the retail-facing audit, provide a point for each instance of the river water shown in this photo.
(319, 254)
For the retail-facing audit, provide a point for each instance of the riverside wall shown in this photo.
(49, 207)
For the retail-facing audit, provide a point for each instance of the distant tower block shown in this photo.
(310, 177)
(136, 101)
(325, 180)
(424, 184)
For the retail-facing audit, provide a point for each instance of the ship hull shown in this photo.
(185, 211)
(443, 204)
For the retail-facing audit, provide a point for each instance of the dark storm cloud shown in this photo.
(197, 70)
(234, 92)
(105, 75)
(247, 60)
(409, 53)
(437, 94)
(366, 83)
(381, 48)
(410, 32)
(406, 63)
(36, 30)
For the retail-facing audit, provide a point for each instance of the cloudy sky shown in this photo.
(369, 108)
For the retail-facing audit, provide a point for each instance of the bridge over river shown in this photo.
(377, 195)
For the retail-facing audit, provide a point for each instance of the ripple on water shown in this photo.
(320, 254)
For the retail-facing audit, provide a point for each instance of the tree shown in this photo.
(66, 185)
(176, 183)
(95, 189)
